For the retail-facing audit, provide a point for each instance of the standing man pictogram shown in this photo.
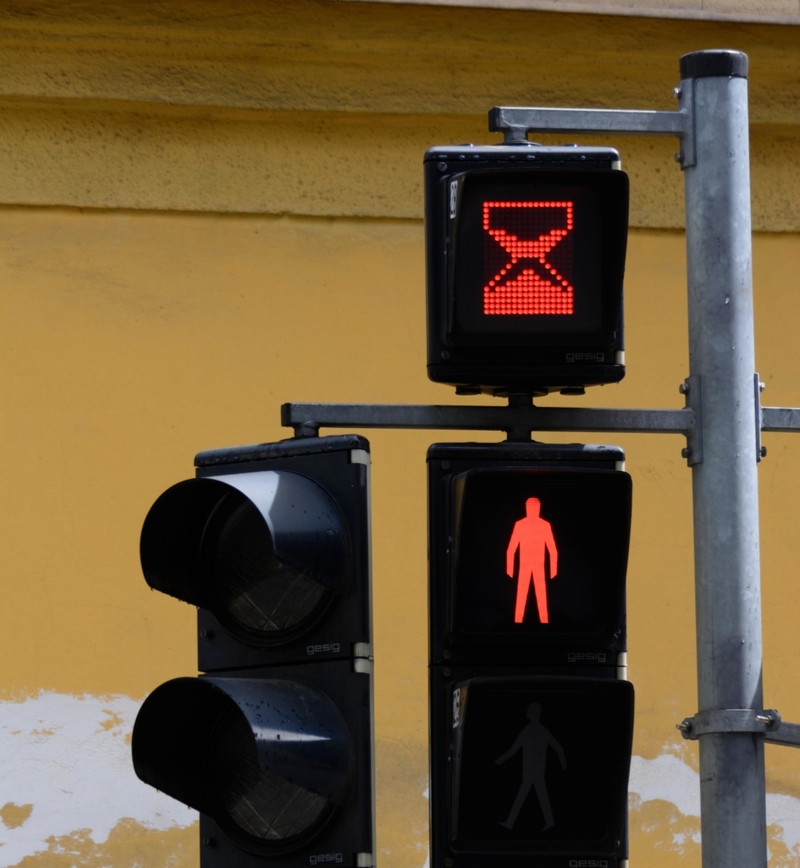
(533, 741)
(533, 536)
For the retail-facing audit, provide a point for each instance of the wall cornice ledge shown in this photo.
(752, 13)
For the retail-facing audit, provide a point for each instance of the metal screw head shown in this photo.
(442, 167)
(679, 157)
(445, 465)
(445, 355)
(676, 92)
(205, 633)
(684, 388)
(683, 726)
(446, 672)
(686, 452)
(762, 386)
(446, 654)
(763, 452)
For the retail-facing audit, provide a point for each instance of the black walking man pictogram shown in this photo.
(533, 741)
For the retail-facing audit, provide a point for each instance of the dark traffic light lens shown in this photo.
(280, 763)
(266, 552)
(260, 593)
(258, 801)
(271, 760)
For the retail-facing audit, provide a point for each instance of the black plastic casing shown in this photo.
(454, 662)
(530, 364)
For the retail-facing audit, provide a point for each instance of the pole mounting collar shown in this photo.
(729, 720)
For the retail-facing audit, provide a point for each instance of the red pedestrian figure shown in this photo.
(533, 536)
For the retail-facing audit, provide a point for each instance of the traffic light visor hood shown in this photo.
(270, 760)
(266, 552)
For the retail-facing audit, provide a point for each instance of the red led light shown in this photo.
(533, 536)
(525, 274)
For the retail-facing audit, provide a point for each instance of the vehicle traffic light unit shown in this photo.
(273, 743)
(525, 260)
(531, 720)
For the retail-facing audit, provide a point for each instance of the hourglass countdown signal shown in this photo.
(534, 241)
(525, 260)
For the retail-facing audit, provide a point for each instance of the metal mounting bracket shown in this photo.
(687, 156)
(729, 720)
(758, 388)
(767, 723)
(516, 122)
(693, 453)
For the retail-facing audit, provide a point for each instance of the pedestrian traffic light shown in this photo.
(525, 260)
(273, 743)
(531, 718)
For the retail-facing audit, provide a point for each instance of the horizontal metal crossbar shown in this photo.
(550, 120)
(516, 122)
(788, 735)
(307, 419)
(780, 418)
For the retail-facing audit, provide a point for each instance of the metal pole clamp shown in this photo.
(729, 720)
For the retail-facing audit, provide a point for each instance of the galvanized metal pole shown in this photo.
(725, 482)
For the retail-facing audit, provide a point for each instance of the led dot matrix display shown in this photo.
(528, 258)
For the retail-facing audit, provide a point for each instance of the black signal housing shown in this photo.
(525, 262)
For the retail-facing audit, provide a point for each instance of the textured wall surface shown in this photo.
(325, 108)
(132, 340)
(209, 208)
(774, 11)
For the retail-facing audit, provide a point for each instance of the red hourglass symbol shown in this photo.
(528, 282)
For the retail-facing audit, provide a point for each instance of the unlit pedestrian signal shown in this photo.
(533, 745)
(531, 726)
(541, 767)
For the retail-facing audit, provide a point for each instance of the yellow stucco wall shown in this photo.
(324, 108)
(183, 250)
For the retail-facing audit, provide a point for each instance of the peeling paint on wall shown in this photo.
(68, 793)
(670, 781)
